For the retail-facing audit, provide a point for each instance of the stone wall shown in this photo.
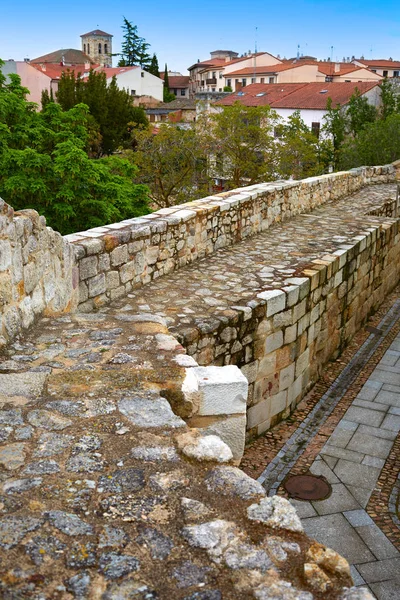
(282, 342)
(116, 258)
(36, 271)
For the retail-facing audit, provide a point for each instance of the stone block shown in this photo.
(232, 431)
(302, 362)
(5, 255)
(276, 301)
(97, 285)
(87, 267)
(119, 255)
(259, 413)
(273, 342)
(216, 390)
(266, 365)
(286, 377)
(112, 280)
(303, 283)
(290, 334)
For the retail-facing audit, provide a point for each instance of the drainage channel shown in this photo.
(276, 471)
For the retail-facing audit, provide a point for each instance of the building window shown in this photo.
(105, 48)
(244, 81)
(262, 80)
(213, 89)
(373, 70)
(220, 74)
(88, 48)
(99, 48)
(229, 82)
(214, 74)
(271, 80)
(84, 48)
(315, 129)
(133, 92)
(278, 131)
(142, 74)
(385, 73)
(395, 73)
(183, 92)
(253, 80)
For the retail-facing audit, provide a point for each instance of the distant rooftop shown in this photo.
(69, 56)
(96, 32)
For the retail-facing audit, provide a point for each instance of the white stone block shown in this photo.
(273, 342)
(276, 301)
(232, 431)
(302, 282)
(216, 390)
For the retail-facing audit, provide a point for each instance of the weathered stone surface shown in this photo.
(275, 512)
(22, 384)
(232, 481)
(356, 594)
(123, 480)
(42, 467)
(281, 590)
(79, 584)
(14, 529)
(116, 565)
(216, 390)
(52, 443)
(328, 559)
(12, 456)
(316, 578)
(47, 420)
(188, 574)
(113, 537)
(207, 447)
(17, 486)
(155, 453)
(159, 545)
(152, 411)
(41, 547)
(194, 510)
(68, 523)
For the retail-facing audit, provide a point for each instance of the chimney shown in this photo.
(337, 67)
(238, 86)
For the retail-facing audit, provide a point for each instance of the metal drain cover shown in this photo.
(307, 487)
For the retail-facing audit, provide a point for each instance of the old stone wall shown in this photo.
(283, 340)
(116, 258)
(36, 271)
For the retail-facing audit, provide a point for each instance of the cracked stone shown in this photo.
(42, 467)
(232, 481)
(14, 529)
(160, 545)
(118, 565)
(12, 456)
(123, 480)
(204, 447)
(112, 537)
(275, 512)
(153, 411)
(52, 443)
(47, 420)
(188, 574)
(69, 523)
(40, 547)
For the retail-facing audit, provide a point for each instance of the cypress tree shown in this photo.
(168, 97)
(154, 68)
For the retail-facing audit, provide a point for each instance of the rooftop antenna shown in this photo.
(255, 56)
(298, 51)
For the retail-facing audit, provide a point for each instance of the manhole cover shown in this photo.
(307, 487)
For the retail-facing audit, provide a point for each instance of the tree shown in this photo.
(360, 112)
(300, 153)
(111, 108)
(167, 95)
(154, 68)
(336, 125)
(134, 47)
(390, 101)
(172, 164)
(44, 165)
(240, 139)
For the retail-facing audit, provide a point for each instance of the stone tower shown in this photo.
(98, 45)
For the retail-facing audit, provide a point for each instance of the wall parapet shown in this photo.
(37, 271)
(114, 259)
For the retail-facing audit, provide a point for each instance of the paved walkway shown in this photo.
(352, 460)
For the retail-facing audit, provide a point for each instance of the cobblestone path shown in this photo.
(352, 460)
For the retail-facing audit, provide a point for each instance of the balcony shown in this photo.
(212, 81)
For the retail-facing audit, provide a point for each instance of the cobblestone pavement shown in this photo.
(352, 461)
(106, 494)
(202, 295)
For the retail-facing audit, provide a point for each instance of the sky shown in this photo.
(181, 32)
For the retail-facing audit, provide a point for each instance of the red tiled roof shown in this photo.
(297, 95)
(55, 71)
(269, 70)
(177, 81)
(383, 63)
(328, 68)
(111, 71)
(212, 62)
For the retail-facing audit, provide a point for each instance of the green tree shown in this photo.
(390, 101)
(134, 47)
(44, 165)
(335, 127)
(111, 108)
(300, 153)
(167, 95)
(360, 112)
(154, 68)
(241, 140)
(172, 164)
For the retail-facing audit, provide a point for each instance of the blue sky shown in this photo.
(181, 32)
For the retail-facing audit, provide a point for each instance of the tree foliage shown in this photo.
(134, 47)
(154, 68)
(172, 164)
(167, 95)
(359, 112)
(44, 165)
(111, 108)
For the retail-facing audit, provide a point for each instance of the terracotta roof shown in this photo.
(212, 62)
(383, 63)
(179, 104)
(97, 32)
(328, 68)
(297, 95)
(71, 56)
(175, 81)
(55, 71)
(111, 71)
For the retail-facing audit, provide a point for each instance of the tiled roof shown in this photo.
(71, 56)
(297, 95)
(328, 68)
(383, 63)
(97, 32)
(179, 104)
(55, 71)
(111, 71)
(175, 81)
(212, 62)
(268, 70)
